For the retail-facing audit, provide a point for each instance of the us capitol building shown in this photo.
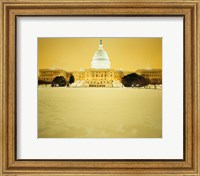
(99, 75)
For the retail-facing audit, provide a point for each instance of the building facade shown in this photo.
(48, 75)
(154, 76)
(98, 77)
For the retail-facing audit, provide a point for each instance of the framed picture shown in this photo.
(99, 87)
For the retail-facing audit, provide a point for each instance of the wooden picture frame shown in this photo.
(10, 9)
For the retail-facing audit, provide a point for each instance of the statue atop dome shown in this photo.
(100, 59)
(101, 42)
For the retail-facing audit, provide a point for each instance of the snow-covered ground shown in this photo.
(99, 113)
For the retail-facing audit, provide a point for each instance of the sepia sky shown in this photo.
(72, 54)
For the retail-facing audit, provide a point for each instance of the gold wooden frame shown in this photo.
(10, 9)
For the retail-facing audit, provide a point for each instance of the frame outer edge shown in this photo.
(4, 84)
(1, 80)
(5, 28)
(198, 86)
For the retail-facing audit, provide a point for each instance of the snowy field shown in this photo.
(99, 113)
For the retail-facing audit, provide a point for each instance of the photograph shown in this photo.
(99, 87)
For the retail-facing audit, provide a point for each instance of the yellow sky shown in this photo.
(72, 54)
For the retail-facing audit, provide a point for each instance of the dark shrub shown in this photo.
(134, 80)
(71, 79)
(59, 81)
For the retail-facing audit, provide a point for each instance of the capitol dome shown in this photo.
(100, 59)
